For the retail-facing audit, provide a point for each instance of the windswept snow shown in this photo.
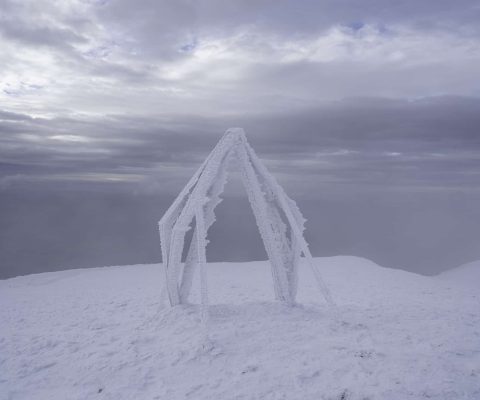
(466, 275)
(101, 334)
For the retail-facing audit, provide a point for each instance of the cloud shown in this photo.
(367, 112)
(211, 57)
(382, 93)
(424, 144)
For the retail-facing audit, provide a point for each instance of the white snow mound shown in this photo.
(467, 275)
(101, 334)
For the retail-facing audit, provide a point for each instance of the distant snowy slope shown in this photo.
(467, 275)
(101, 333)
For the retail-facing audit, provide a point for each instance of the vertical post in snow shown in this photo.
(209, 218)
(259, 207)
(306, 251)
(284, 204)
(193, 203)
(202, 260)
(163, 290)
(166, 223)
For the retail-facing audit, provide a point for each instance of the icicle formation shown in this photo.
(279, 221)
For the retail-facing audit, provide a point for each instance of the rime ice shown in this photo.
(278, 219)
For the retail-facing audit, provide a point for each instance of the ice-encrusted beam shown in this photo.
(278, 219)
(214, 200)
(176, 234)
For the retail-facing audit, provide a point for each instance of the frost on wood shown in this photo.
(278, 218)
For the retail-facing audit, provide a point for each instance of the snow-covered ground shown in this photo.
(467, 275)
(101, 334)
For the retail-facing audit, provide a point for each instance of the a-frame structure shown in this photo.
(278, 218)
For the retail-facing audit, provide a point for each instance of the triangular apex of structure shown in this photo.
(278, 219)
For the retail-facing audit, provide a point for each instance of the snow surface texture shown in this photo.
(101, 334)
(467, 275)
(282, 236)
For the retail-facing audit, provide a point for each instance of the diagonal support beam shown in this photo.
(274, 212)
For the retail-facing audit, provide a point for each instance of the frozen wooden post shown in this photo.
(279, 221)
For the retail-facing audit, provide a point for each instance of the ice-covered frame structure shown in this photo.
(278, 218)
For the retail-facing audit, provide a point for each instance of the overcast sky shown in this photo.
(367, 112)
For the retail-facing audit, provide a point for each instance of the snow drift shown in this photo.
(466, 275)
(101, 334)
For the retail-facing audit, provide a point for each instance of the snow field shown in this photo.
(101, 333)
